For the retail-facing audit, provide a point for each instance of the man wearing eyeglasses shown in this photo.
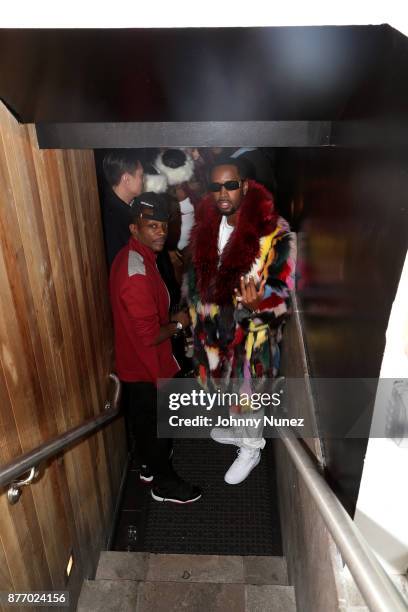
(242, 268)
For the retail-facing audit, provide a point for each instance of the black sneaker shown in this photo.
(145, 474)
(177, 491)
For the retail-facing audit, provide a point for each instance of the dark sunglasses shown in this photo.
(229, 186)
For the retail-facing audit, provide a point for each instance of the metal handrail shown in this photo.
(29, 461)
(379, 592)
(376, 587)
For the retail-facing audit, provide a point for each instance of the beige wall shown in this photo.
(310, 552)
(55, 354)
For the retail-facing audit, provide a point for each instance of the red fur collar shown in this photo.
(257, 218)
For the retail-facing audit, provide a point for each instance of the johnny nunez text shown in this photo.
(231, 421)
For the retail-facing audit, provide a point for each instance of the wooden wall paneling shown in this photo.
(88, 205)
(97, 258)
(17, 351)
(51, 330)
(26, 202)
(81, 211)
(23, 577)
(107, 495)
(30, 228)
(70, 195)
(55, 354)
(107, 461)
(88, 209)
(10, 444)
(64, 362)
(19, 368)
(7, 427)
(9, 441)
(79, 474)
(21, 537)
(63, 353)
(52, 512)
(79, 216)
(100, 258)
(6, 582)
(103, 320)
(64, 471)
(68, 246)
(100, 356)
(18, 526)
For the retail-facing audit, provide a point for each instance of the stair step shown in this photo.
(192, 568)
(269, 598)
(128, 595)
(108, 595)
(122, 566)
(142, 582)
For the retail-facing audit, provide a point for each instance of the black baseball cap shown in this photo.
(151, 205)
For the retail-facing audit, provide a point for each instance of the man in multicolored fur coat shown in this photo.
(237, 287)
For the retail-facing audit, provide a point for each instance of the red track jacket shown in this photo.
(140, 305)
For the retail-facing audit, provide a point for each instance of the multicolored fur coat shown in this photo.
(231, 342)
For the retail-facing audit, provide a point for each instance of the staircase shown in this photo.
(143, 582)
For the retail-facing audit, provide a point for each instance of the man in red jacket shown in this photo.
(140, 305)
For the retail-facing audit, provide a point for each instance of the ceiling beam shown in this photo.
(183, 134)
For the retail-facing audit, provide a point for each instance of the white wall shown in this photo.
(187, 13)
(382, 507)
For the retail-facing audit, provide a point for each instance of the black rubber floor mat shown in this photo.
(229, 519)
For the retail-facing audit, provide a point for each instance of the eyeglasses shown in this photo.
(229, 186)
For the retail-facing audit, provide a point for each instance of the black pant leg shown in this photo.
(141, 420)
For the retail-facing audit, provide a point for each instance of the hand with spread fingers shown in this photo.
(248, 295)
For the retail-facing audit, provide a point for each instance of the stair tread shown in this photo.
(192, 568)
(271, 598)
(124, 595)
(98, 595)
(192, 597)
(122, 565)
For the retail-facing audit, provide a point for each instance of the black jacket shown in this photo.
(116, 219)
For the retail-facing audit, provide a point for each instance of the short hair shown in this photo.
(119, 161)
(240, 165)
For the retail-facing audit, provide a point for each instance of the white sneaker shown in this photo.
(223, 435)
(247, 459)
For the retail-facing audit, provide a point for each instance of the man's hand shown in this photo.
(248, 295)
(181, 316)
(168, 330)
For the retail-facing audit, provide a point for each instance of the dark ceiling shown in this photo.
(203, 74)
